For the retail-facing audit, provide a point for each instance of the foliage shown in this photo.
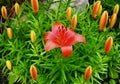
(52, 67)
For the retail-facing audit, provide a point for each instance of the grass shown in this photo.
(52, 67)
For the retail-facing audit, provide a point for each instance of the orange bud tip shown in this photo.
(4, 12)
(100, 10)
(17, 8)
(8, 64)
(88, 72)
(35, 5)
(108, 45)
(96, 9)
(116, 9)
(33, 72)
(74, 21)
(33, 36)
(113, 20)
(68, 13)
(9, 33)
(103, 20)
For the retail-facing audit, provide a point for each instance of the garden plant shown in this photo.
(60, 42)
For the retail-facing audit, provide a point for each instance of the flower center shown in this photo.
(64, 36)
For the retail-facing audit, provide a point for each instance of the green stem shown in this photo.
(58, 9)
(84, 81)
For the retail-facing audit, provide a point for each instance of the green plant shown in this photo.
(51, 66)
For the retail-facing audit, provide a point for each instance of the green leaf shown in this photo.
(12, 78)
(112, 81)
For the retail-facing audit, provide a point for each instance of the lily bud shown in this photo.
(35, 5)
(108, 45)
(113, 20)
(33, 72)
(17, 8)
(4, 12)
(88, 72)
(9, 33)
(96, 9)
(116, 9)
(103, 20)
(33, 36)
(8, 64)
(68, 13)
(100, 10)
(74, 21)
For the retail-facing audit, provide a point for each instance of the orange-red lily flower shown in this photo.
(108, 45)
(62, 37)
(88, 72)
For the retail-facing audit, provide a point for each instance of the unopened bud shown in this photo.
(96, 9)
(17, 8)
(8, 64)
(113, 20)
(116, 9)
(4, 12)
(35, 5)
(9, 33)
(74, 21)
(88, 72)
(33, 72)
(108, 45)
(68, 13)
(33, 36)
(103, 20)
(100, 10)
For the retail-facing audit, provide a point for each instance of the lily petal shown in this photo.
(50, 45)
(66, 51)
(55, 26)
(79, 38)
(46, 36)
